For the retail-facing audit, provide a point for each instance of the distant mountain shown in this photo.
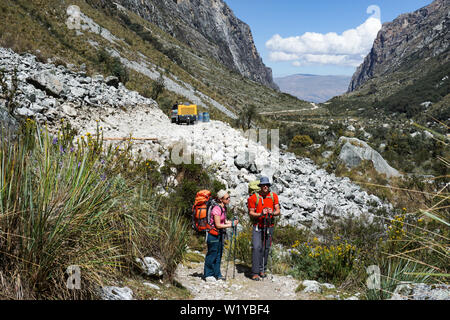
(313, 88)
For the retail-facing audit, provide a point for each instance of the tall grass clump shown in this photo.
(53, 204)
(416, 249)
(66, 203)
(173, 241)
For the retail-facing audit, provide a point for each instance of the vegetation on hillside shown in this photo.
(431, 87)
(138, 40)
(66, 203)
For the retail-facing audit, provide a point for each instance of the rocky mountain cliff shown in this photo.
(420, 35)
(208, 26)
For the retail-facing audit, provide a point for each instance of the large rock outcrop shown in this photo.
(420, 35)
(354, 151)
(208, 26)
(308, 195)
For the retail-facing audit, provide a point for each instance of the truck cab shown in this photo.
(184, 113)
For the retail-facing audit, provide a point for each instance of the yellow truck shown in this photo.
(184, 113)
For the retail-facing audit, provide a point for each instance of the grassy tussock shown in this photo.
(64, 204)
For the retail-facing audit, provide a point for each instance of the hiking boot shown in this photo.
(210, 279)
(262, 275)
(256, 277)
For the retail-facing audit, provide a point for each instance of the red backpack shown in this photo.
(201, 212)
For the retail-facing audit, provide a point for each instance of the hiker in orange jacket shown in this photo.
(262, 206)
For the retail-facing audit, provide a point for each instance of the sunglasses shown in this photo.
(227, 198)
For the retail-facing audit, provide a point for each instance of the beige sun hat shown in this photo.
(221, 194)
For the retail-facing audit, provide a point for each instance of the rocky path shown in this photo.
(274, 287)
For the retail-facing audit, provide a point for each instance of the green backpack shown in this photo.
(253, 187)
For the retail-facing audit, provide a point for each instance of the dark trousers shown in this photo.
(261, 242)
(213, 256)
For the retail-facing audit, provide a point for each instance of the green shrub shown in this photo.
(244, 247)
(112, 65)
(359, 231)
(288, 235)
(191, 179)
(329, 263)
(77, 204)
(246, 116)
(301, 141)
(158, 87)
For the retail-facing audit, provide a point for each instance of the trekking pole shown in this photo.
(270, 242)
(228, 258)
(234, 249)
(229, 251)
(264, 245)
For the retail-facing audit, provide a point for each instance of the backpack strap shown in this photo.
(213, 228)
(259, 197)
(257, 200)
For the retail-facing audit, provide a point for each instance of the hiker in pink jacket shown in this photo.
(215, 242)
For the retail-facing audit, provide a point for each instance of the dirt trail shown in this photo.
(274, 287)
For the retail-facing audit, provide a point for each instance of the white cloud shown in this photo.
(282, 56)
(327, 59)
(347, 49)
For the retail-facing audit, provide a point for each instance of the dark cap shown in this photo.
(263, 181)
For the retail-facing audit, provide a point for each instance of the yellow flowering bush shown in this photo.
(323, 262)
(396, 230)
(244, 247)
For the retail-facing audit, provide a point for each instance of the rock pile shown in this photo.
(421, 291)
(307, 194)
(46, 92)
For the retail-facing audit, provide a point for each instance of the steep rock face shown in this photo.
(354, 151)
(210, 27)
(421, 35)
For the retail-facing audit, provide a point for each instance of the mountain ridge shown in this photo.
(211, 27)
(111, 39)
(421, 34)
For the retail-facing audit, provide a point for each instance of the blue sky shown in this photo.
(317, 36)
